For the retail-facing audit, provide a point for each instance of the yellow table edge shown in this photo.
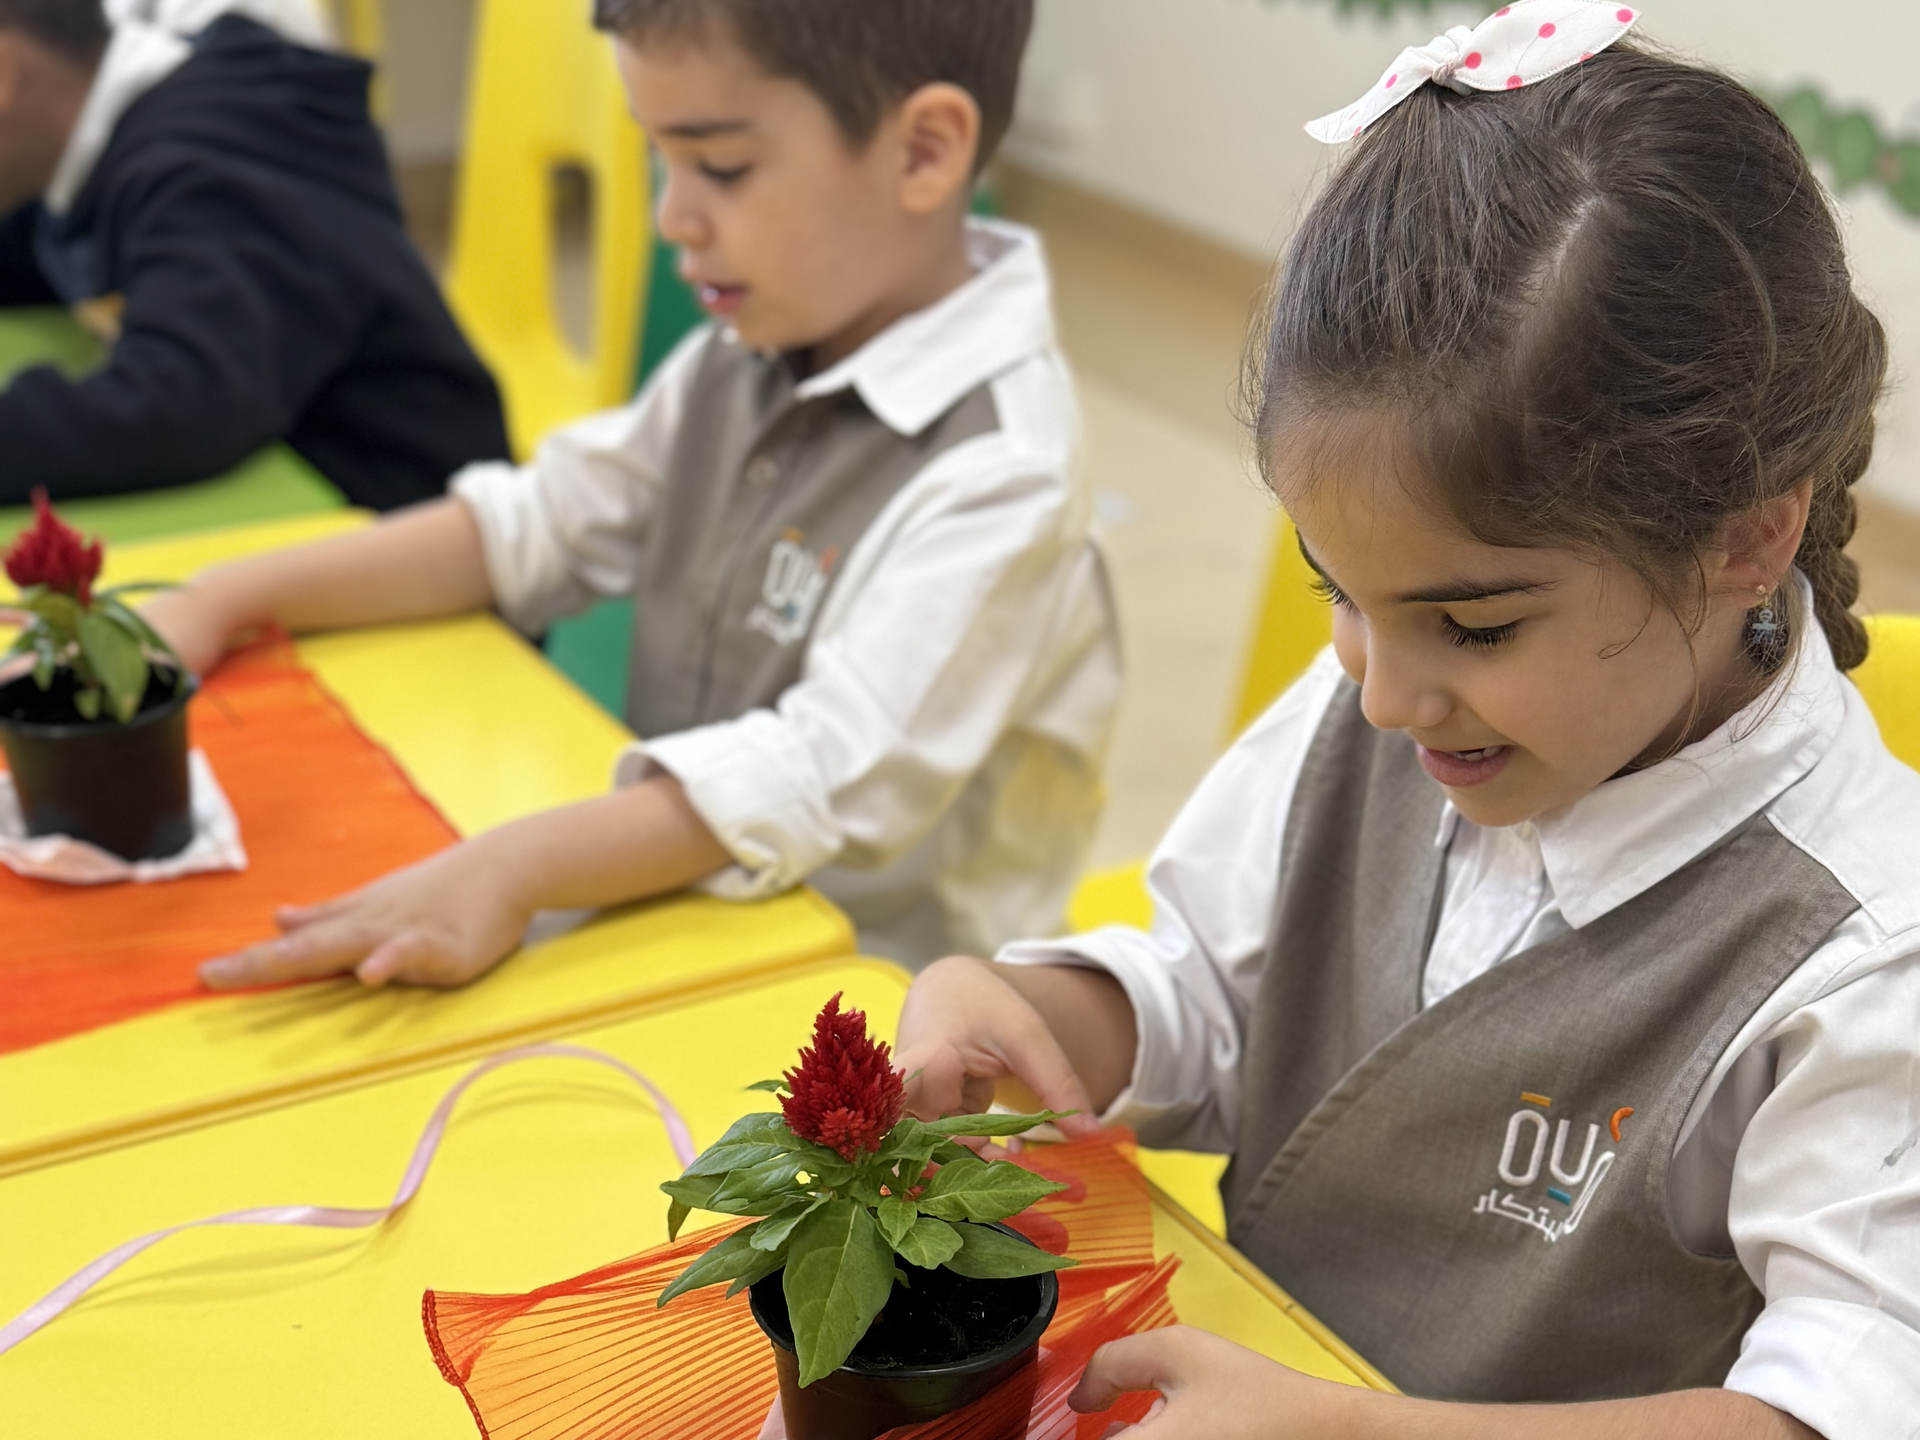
(1272, 1293)
(212, 1110)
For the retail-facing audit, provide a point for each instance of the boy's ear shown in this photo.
(939, 130)
(1758, 547)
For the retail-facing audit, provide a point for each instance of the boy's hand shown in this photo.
(191, 622)
(442, 922)
(964, 1028)
(1211, 1389)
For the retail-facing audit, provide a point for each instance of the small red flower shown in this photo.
(846, 1094)
(52, 553)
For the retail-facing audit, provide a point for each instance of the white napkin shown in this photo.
(215, 844)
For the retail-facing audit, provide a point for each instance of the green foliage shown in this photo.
(838, 1226)
(1848, 143)
(105, 644)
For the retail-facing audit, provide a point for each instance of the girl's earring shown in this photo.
(1765, 633)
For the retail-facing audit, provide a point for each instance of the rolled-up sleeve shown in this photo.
(945, 626)
(567, 528)
(1824, 1210)
(1191, 977)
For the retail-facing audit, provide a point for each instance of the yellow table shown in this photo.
(548, 1170)
(432, 694)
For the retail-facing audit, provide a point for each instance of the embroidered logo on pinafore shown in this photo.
(789, 596)
(1565, 1192)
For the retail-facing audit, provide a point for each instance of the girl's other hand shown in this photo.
(965, 1028)
(442, 922)
(1211, 1389)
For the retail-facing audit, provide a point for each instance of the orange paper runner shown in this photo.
(593, 1358)
(322, 809)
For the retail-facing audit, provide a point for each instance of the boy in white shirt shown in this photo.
(874, 645)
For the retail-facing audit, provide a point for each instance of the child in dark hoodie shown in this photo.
(221, 206)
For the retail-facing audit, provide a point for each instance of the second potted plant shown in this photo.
(878, 1265)
(95, 731)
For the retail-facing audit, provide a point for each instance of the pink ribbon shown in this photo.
(62, 1297)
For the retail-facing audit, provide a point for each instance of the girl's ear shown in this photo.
(1757, 548)
(939, 129)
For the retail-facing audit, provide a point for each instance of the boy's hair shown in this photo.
(1612, 311)
(860, 56)
(75, 30)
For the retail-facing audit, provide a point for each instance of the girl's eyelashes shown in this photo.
(1326, 590)
(1467, 637)
(1464, 636)
(724, 175)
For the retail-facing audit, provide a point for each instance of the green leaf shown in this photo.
(929, 1244)
(772, 1087)
(694, 1192)
(134, 621)
(767, 1127)
(839, 1274)
(772, 1232)
(733, 1259)
(719, 1159)
(989, 1125)
(994, 1255)
(896, 1218)
(972, 1190)
(87, 702)
(117, 661)
(761, 1188)
(677, 1214)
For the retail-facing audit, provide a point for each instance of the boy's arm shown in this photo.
(456, 915)
(1213, 1389)
(414, 565)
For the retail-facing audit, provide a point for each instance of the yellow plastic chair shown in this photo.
(1890, 681)
(544, 95)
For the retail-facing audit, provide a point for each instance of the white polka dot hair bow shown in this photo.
(1519, 44)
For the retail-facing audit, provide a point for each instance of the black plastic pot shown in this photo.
(862, 1399)
(123, 787)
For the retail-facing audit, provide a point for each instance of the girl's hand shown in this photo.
(442, 922)
(964, 1029)
(1211, 1389)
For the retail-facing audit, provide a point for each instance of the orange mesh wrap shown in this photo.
(322, 809)
(593, 1358)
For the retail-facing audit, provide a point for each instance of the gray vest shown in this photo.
(765, 497)
(1446, 1187)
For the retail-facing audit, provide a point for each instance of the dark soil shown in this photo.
(26, 703)
(943, 1318)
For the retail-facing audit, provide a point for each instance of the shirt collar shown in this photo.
(1631, 833)
(138, 57)
(918, 368)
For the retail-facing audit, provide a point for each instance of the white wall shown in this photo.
(1191, 109)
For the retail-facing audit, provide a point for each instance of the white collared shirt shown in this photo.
(945, 735)
(1802, 1152)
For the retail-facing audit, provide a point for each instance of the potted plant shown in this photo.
(95, 730)
(877, 1265)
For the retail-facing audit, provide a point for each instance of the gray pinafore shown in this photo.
(1474, 1195)
(767, 495)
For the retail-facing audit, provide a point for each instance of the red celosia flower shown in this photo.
(52, 553)
(846, 1094)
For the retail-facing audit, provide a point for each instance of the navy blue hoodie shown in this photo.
(245, 210)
